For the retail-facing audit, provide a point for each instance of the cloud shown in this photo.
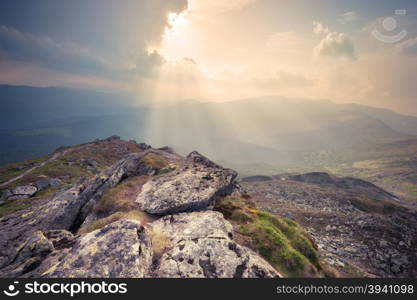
(334, 44)
(84, 42)
(71, 57)
(218, 5)
(319, 28)
(348, 17)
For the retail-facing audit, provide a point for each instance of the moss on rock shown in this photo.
(282, 242)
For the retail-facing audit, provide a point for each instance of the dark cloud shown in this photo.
(101, 38)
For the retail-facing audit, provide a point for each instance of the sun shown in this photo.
(175, 22)
(176, 37)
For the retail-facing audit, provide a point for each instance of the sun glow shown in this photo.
(175, 23)
(176, 36)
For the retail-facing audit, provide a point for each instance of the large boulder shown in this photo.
(47, 182)
(22, 192)
(200, 244)
(29, 190)
(120, 249)
(193, 186)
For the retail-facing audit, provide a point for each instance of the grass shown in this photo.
(160, 244)
(132, 215)
(121, 198)
(282, 242)
(9, 171)
(14, 206)
(55, 169)
(156, 161)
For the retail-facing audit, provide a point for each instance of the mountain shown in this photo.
(35, 121)
(359, 227)
(399, 122)
(25, 108)
(266, 135)
(114, 208)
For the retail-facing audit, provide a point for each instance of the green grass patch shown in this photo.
(282, 242)
(13, 206)
(58, 168)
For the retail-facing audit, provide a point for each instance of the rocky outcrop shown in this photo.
(190, 240)
(200, 244)
(194, 186)
(27, 191)
(20, 192)
(47, 182)
(121, 249)
(67, 209)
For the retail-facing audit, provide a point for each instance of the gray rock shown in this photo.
(47, 182)
(27, 190)
(120, 249)
(60, 238)
(29, 256)
(207, 224)
(195, 186)
(16, 197)
(37, 244)
(89, 162)
(199, 244)
(66, 210)
(396, 269)
(383, 243)
(5, 194)
(144, 146)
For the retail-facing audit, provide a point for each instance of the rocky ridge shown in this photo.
(148, 214)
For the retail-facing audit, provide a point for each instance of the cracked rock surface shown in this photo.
(63, 235)
(194, 186)
(200, 244)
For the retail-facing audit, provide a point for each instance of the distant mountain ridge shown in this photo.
(267, 130)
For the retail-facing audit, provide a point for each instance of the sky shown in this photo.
(213, 50)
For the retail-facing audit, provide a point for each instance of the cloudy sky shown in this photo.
(215, 50)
